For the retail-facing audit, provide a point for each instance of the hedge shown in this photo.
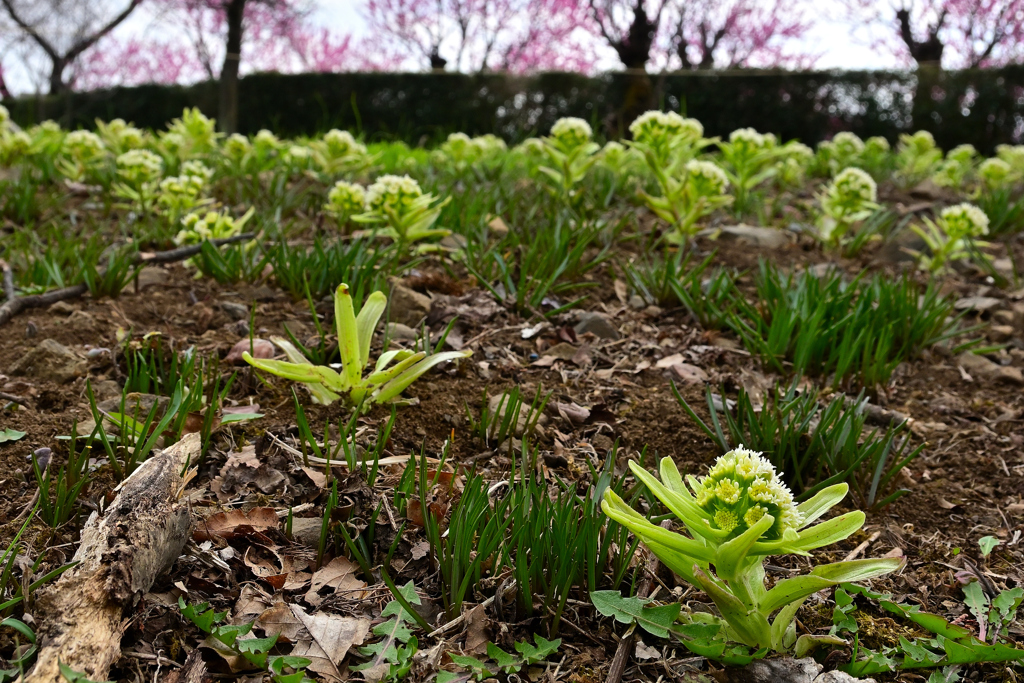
(982, 107)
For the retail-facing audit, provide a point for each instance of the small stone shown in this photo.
(981, 304)
(265, 293)
(81, 320)
(980, 367)
(1000, 333)
(636, 301)
(1003, 317)
(62, 308)
(596, 324)
(749, 235)
(1009, 374)
(499, 404)
(498, 227)
(151, 276)
(562, 351)
(261, 348)
(51, 361)
(400, 332)
(653, 311)
(407, 306)
(235, 311)
(106, 389)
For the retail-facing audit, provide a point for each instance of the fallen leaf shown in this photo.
(946, 505)
(669, 361)
(645, 651)
(572, 413)
(690, 374)
(420, 550)
(338, 575)
(331, 638)
(476, 630)
(235, 523)
(243, 468)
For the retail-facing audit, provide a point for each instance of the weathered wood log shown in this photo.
(123, 550)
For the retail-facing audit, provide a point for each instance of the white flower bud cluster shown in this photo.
(655, 127)
(849, 189)
(139, 165)
(740, 489)
(708, 179)
(346, 199)
(392, 192)
(340, 144)
(964, 220)
(571, 132)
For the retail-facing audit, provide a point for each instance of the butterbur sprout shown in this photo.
(847, 144)
(964, 220)
(571, 132)
(851, 188)
(139, 166)
(707, 178)
(656, 127)
(751, 139)
(740, 489)
(340, 143)
(346, 199)
(995, 173)
(237, 146)
(392, 192)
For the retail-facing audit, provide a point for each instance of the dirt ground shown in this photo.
(967, 483)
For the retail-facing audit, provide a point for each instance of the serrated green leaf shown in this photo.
(654, 620)
(544, 649)
(506, 662)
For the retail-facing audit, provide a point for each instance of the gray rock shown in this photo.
(750, 235)
(981, 304)
(980, 367)
(235, 311)
(151, 276)
(1000, 333)
(596, 324)
(400, 332)
(62, 308)
(51, 361)
(788, 670)
(407, 306)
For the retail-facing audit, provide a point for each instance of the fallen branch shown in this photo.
(123, 550)
(626, 645)
(182, 253)
(16, 304)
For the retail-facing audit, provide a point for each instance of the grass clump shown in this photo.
(854, 332)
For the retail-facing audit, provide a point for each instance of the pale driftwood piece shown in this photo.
(122, 552)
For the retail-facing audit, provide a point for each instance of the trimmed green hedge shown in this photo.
(984, 108)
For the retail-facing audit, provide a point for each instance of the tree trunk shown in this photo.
(228, 110)
(57, 84)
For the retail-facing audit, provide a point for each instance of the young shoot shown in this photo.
(952, 237)
(850, 198)
(393, 372)
(408, 215)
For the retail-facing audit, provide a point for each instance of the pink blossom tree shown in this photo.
(477, 35)
(629, 27)
(952, 33)
(706, 34)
